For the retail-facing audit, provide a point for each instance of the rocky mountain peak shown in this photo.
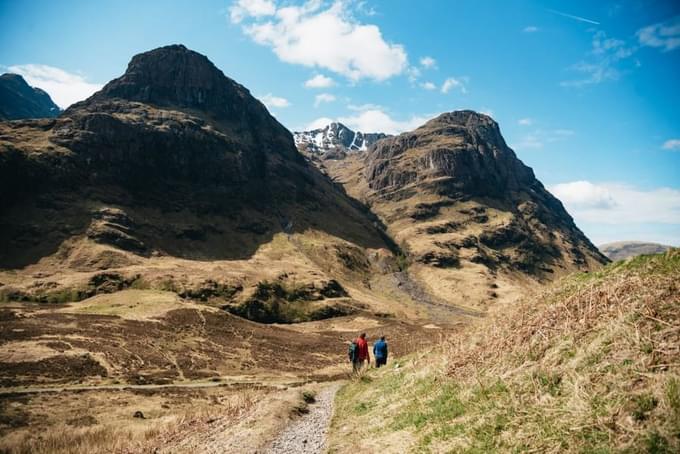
(178, 77)
(18, 100)
(334, 141)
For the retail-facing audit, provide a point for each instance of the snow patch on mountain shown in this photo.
(334, 140)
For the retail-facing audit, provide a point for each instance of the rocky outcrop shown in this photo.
(18, 100)
(334, 141)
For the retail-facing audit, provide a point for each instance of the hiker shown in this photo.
(380, 352)
(358, 352)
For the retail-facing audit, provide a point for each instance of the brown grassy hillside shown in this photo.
(591, 365)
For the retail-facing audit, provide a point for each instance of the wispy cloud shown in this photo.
(525, 122)
(454, 83)
(319, 123)
(618, 203)
(664, 35)
(428, 62)
(251, 8)
(572, 16)
(64, 88)
(428, 86)
(530, 29)
(671, 144)
(272, 101)
(322, 98)
(609, 57)
(314, 35)
(319, 81)
(539, 138)
(373, 120)
(604, 61)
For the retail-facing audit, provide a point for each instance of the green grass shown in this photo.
(593, 381)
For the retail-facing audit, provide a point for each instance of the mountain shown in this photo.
(172, 161)
(334, 141)
(473, 219)
(621, 250)
(19, 100)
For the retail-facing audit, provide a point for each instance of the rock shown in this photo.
(18, 100)
(184, 160)
(334, 141)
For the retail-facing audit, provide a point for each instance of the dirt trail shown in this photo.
(307, 435)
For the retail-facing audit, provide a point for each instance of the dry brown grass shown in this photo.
(590, 365)
(133, 435)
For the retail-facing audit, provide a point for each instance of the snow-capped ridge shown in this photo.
(335, 139)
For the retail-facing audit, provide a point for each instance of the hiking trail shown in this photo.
(307, 435)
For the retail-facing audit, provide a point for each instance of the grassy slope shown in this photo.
(591, 365)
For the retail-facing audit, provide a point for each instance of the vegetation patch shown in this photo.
(590, 365)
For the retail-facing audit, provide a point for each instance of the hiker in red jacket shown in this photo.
(362, 353)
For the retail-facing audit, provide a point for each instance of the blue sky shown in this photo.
(585, 92)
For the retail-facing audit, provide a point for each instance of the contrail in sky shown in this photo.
(571, 16)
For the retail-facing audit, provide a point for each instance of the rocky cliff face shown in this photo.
(465, 208)
(334, 141)
(18, 100)
(194, 165)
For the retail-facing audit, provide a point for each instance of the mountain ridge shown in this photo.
(18, 100)
(334, 141)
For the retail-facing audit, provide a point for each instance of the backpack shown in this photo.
(353, 351)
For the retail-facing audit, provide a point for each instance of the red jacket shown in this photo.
(362, 346)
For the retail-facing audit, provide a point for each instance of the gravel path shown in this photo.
(307, 435)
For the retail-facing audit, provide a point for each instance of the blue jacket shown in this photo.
(380, 349)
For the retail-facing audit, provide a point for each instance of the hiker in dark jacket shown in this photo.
(380, 352)
(358, 352)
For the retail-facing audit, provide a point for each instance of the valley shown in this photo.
(177, 276)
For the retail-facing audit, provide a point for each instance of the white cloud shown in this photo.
(665, 35)
(319, 123)
(530, 29)
(452, 83)
(584, 195)
(618, 203)
(254, 8)
(272, 101)
(413, 73)
(323, 97)
(428, 62)
(525, 122)
(671, 144)
(604, 61)
(428, 86)
(538, 138)
(319, 81)
(362, 107)
(63, 87)
(331, 38)
(380, 121)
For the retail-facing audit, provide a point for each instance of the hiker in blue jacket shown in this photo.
(380, 352)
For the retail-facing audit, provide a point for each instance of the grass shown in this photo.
(113, 435)
(590, 365)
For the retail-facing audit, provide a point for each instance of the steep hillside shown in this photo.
(590, 365)
(475, 222)
(621, 250)
(165, 172)
(19, 100)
